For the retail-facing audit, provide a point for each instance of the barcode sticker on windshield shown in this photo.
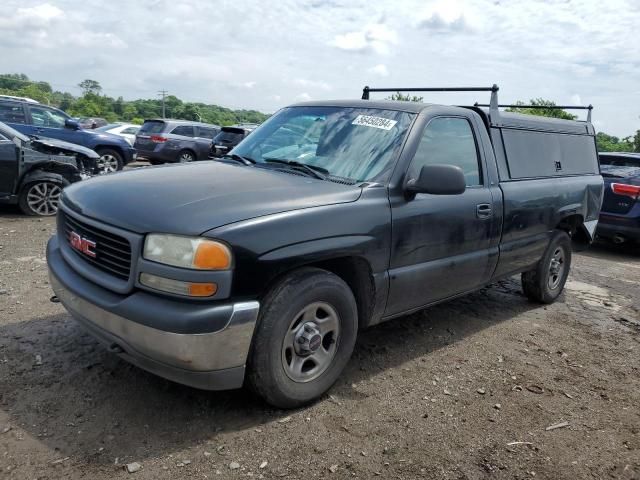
(375, 122)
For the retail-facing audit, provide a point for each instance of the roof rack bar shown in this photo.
(366, 90)
(553, 107)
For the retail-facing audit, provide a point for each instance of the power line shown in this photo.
(164, 94)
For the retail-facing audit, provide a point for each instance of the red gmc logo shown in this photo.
(83, 245)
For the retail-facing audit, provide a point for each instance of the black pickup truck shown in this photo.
(260, 268)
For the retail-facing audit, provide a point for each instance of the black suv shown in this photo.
(162, 140)
(33, 172)
(229, 137)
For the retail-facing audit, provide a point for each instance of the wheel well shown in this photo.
(356, 273)
(191, 151)
(116, 149)
(574, 226)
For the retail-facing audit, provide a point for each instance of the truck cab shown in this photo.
(260, 268)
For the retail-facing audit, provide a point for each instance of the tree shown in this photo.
(398, 96)
(544, 112)
(90, 86)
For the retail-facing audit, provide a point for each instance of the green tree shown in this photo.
(398, 96)
(90, 86)
(609, 143)
(544, 112)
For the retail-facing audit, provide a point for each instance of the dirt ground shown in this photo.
(464, 390)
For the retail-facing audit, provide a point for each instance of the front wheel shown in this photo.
(545, 283)
(304, 338)
(110, 161)
(41, 197)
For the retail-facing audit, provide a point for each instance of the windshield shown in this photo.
(355, 143)
(107, 127)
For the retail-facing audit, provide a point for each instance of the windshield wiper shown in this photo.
(314, 171)
(240, 158)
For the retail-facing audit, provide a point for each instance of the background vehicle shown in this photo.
(331, 217)
(34, 172)
(91, 123)
(32, 118)
(165, 140)
(620, 216)
(125, 130)
(229, 137)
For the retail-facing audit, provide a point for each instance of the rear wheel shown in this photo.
(186, 156)
(110, 161)
(41, 197)
(305, 336)
(545, 283)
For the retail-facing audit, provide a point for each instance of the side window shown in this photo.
(209, 133)
(184, 130)
(47, 117)
(11, 113)
(448, 141)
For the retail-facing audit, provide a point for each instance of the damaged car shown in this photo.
(34, 170)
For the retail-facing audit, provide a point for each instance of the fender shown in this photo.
(38, 175)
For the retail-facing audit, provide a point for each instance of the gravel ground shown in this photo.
(464, 390)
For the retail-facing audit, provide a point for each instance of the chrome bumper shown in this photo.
(211, 360)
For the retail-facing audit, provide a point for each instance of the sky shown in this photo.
(264, 55)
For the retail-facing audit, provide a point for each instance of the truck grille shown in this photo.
(112, 252)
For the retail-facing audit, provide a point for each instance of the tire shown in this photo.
(286, 372)
(545, 283)
(41, 197)
(156, 162)
(110, 161)
(185, 156)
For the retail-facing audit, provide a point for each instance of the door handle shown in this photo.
(483, 210)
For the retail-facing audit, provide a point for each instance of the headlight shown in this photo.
(187, 252)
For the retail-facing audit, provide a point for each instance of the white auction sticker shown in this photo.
(375, 122)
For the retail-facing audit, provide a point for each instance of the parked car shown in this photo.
(620, 216)
(33, 172)
(261, 268)
(91, 123)
(125, 130)
(162, 140)
(229, 137)
(32, 118)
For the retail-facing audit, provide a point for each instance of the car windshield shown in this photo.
(108, 127)
(360, 144)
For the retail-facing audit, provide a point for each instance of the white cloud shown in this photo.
(303, 97)
(376, 37)
(575, 99)
(380, 70)
(329, 49)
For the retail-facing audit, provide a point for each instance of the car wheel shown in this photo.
(110, 161)
(186, 156)
(545, 283)
(304, 338)
(41, 197)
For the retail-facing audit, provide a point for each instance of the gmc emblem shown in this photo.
(83, 245)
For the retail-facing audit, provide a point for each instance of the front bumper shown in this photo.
(212, 360)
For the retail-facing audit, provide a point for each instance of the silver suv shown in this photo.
(163, 140)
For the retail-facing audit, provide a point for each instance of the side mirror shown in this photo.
(438, 180)
(71, 124)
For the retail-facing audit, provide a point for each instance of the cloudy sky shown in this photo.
(266, 54)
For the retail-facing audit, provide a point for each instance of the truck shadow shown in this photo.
(67, 392)
(610, 251)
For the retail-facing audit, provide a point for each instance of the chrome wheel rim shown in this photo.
(43, 198)
(556, 268)
(311, 342)
(107, 163)
(185, 157)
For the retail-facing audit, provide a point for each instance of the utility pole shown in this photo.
(163, 93)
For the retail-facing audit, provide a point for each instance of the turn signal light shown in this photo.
(178, 287)
(158, 139)
(632, 191)
(212, 256)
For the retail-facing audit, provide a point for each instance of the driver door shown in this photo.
(442, 244)
(49, 122)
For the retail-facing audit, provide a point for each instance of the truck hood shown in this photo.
(193, 198)
(47, 144)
